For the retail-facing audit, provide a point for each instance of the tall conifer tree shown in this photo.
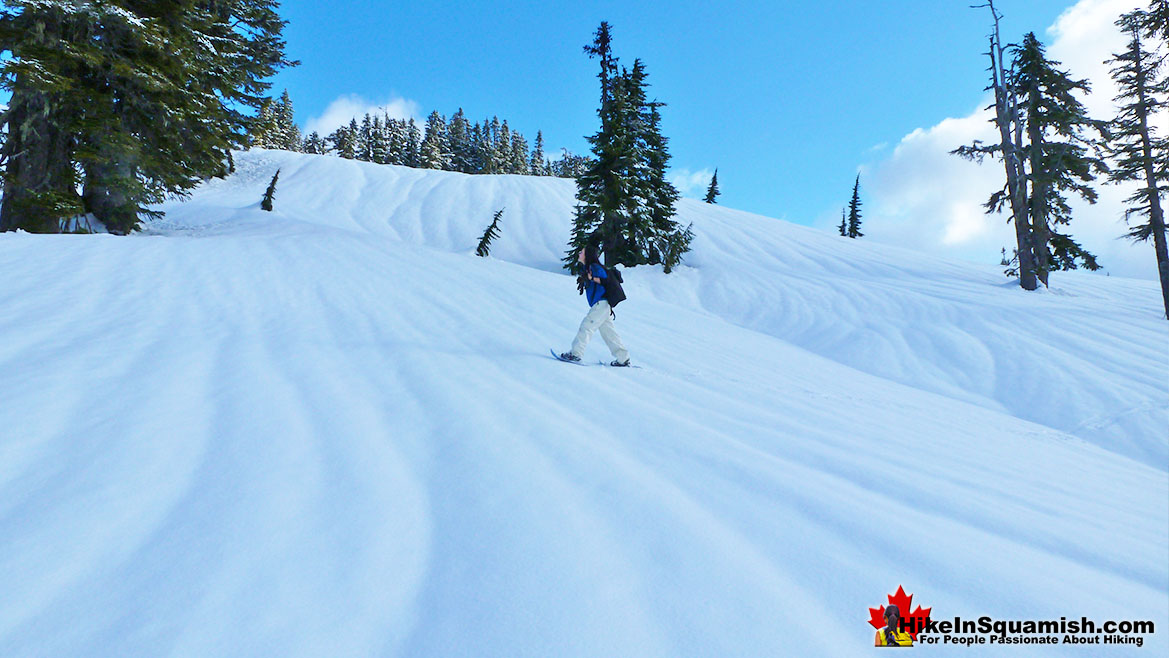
(624, 203)
(854, 211)
(1137, 151)
(90, 82)
(538, 165)
(435, 151)
(459, 132)
(288, 137)
(1058, 155)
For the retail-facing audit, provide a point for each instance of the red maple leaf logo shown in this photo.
(912, 622)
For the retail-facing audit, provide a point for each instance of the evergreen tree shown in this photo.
(503, 150)
(265, 127)
(288, 135)
(601, 190)
(1046, 153)
(1154, 21)
(493, 154)
(343, 141)
(378, 145)
(843, 223)
(396, 136)
(666, 241)
(1138, 153)
(492, 232)
(40, 179)
(478, 162)
(411, 154)
(435, 151)
(854, 211)
(538, 165)
(270, 193)
(712, 191)
(462, 148)
(90, 85)
(518, 162)
(1057, 155)
(624, 203)
(364, 146)
(570, 165)
(314, 143)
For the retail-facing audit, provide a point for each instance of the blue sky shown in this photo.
(787, 99)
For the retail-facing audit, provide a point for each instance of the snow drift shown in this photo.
(331, 430)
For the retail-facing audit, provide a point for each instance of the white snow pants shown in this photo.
(599, 318)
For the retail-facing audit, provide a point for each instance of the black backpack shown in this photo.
(613, 292)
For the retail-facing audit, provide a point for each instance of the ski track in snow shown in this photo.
(330, 430)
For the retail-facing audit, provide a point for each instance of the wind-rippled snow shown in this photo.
(331, 430)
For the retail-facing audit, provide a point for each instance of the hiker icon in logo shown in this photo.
(901, 623)
(892, 635)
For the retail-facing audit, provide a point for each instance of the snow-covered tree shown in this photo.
(378, 143)
(397, 140)
(518, 160)
(538, 165)
(364, 146)
(435, 150)
(314, 143)
(343, 141)
(462, 148)
(90, 81)
(413, 144)
(570, 165)
(264, 128)
(288, 135)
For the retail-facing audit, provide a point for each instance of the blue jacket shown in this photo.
(595, 292)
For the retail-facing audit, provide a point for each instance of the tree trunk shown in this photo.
(105, 195)
(39, 181)
(1040, 231)
(1006, 115)
(1156, 216)
(1158, 221)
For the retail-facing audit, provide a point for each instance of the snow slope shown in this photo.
(330, 430)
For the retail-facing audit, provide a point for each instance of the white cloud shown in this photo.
(921, 196)
(691, 183)
(351, 106)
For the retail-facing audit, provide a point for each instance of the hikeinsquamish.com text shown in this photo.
(986, 630)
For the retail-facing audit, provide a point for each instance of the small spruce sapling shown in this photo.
(492, 232)
(712, 191)
(266, 203)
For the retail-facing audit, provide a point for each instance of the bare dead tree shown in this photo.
(1009, 121)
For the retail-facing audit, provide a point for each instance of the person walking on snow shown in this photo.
(600, 315)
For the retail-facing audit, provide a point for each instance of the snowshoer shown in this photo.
(600, 316)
